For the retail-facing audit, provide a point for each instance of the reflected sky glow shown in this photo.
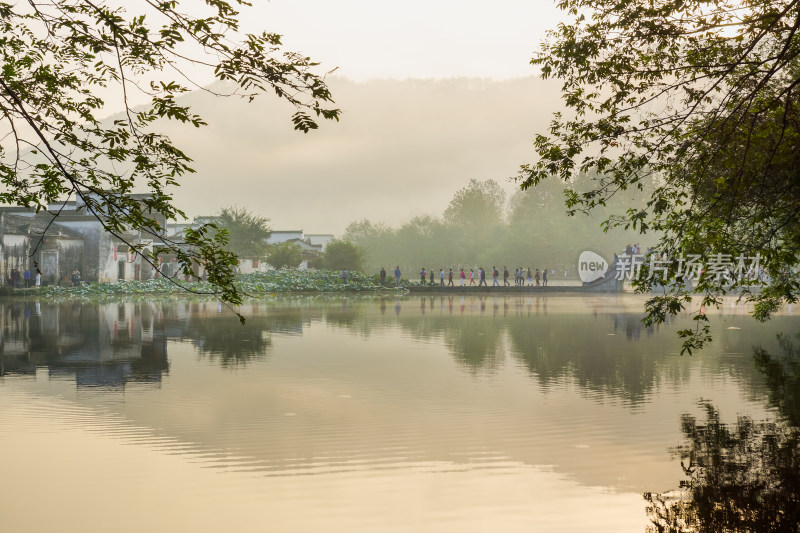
(355, 414)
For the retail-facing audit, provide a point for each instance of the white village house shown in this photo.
(309, 243)
(76, 239)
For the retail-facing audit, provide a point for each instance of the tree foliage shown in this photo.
(284, 255)
(701, 96)
(59, 59)
(477, 205)
(247, 232)
(479, 228)
(338, 255)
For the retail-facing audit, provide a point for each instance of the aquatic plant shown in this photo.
(256, 284)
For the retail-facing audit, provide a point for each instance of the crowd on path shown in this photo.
(27, 279)
(534, 277)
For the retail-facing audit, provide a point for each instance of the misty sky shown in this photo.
(433, 94)
(401, 149)
(369, 39)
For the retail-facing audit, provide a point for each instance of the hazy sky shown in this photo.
(412, 39)
(433, 93)
(402, 148)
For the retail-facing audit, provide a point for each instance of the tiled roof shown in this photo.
(36, 225)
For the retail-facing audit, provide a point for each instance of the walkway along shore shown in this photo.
(549, 289)
(608, 283)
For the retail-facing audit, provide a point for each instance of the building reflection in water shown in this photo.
(738, 477)
(599, 346)
(96, 345)
(113, 344)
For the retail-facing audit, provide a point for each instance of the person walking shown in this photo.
(544, 276)
(495, 274)
(463, 277)
(431, 279)
(383, 276)
(441, 277)
(471, 277)
(537, 277)
(530, 278)
(397, 275)
(344, 276)
(422, 276)
(482, 277)
(450, 278)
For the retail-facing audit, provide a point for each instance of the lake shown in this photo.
(349, 414)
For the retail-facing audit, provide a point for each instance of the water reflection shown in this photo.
(782, 372)
(602, 347)
(743, 477)
(608, 353)
(592, 347)
(740, 477)
(220, 336)
(419, 394)
(107, 345)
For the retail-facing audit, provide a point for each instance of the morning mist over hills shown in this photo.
(401, 149)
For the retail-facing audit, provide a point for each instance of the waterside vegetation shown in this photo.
(255, 284)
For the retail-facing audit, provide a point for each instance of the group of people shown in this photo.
(18, 280)
(633, 249)
(397, 276)
(532, 277)
(430, 277)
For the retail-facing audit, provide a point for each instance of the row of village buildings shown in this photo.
(76, 239)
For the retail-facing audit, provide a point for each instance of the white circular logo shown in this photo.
(591, 266)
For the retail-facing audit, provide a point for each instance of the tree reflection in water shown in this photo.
(223, 338)
(743, 477)
(783, 377)
(475, 347)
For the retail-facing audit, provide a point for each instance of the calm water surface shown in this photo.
(365, 414)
